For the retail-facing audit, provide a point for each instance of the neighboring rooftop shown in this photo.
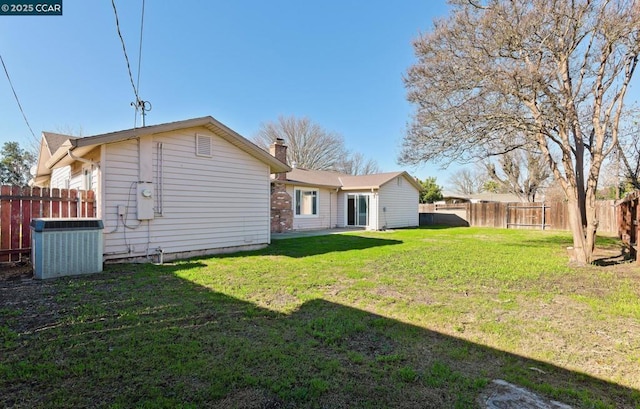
(343, 181)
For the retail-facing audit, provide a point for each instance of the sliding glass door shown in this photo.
(357, 210)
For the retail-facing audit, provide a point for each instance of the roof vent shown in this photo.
(204, 146)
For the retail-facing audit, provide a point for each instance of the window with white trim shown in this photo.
(306, 202)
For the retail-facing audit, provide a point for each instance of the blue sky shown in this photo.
(244, 62)
(340, 63)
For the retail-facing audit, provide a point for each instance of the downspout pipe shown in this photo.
(83, 160)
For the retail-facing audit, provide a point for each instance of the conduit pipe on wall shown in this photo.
(159, 178)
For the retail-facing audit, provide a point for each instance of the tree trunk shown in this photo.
(583, 235)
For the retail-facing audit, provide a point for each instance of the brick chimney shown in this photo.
(279, 150)
(281, 203)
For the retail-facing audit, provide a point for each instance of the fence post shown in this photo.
(507, 216)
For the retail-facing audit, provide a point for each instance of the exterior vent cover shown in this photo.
(204, 146)
(62, 247)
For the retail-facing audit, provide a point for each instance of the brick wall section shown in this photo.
(281, 209)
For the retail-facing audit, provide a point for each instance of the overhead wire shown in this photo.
(124, 49)
(142, 105)
(6, 71)
(140, 47)
(138, 104)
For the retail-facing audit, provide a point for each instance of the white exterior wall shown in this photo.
(375, 212)
(80, 182)
(327, 210)
(342, 210)
(60, 178)
(398, 204)
(208, 204)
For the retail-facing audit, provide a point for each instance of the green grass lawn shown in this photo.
(404, 319)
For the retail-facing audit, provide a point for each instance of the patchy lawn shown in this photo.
(412, 318)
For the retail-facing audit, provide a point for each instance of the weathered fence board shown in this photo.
(18, 205)
(629, 222)
(551, 216)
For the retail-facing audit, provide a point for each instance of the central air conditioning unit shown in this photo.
(63, 247)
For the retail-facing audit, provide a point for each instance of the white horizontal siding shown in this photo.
(120, 172)
(398, 204)
(60, 177)
(327, 210)
(341, 215)
(207, 203)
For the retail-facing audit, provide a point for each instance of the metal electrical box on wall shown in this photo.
(145, 200)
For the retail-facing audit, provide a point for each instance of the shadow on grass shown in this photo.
(621, 256)
(315, 245)
(152, 339)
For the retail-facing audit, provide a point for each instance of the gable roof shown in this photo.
(322, 178)
(81, 146)
(49, 144)
(310, 177)
(54, 140)
(375, 180)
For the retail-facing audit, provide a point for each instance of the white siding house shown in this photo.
(174, 190)
(398, 199)
(374, 202)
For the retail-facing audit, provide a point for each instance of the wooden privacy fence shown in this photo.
(629, 222)
(18, 205)
(551, 216)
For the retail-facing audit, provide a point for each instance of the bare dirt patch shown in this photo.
(13, 271)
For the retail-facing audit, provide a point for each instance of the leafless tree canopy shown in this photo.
(312, 147)
(520, 172)
(498, 75)
(356, 164)
(309, 145)
(627, 156)
(467, 182)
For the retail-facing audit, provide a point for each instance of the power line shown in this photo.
(140, 48)
(138, 104)
(17, 99)
(124, 50)
(143, 106)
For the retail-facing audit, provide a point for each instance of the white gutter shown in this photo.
(83, 160)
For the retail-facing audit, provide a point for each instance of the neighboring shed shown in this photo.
(324, 199)
(174, 190)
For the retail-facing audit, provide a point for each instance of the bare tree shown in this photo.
(312, 147)
(356, 164)
(553, 73)
(627, 157)
(521, 172)
(309, 145)
(466, 182)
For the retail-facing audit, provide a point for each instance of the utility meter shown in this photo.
(145, 201)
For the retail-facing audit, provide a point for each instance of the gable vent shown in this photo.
(204, 146)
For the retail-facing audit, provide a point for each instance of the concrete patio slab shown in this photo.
(309, 233)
